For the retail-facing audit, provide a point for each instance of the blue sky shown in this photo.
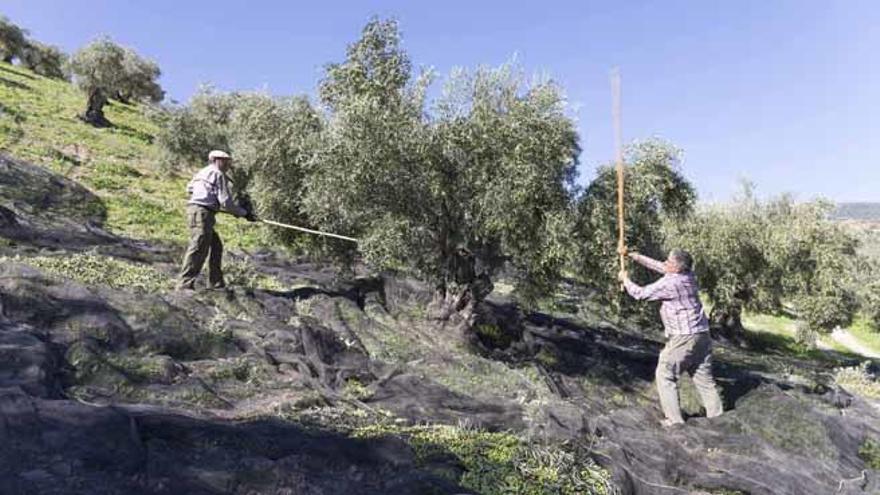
(784, 93)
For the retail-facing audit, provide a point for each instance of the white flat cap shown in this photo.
(218, 154)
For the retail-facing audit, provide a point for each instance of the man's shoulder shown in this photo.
(679, 278)
(208, 172)
(688, 280)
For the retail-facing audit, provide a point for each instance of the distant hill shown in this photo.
(857, 211)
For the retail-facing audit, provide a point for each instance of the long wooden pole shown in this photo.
(618, 145)
(309, 231)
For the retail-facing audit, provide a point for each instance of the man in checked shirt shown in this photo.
(689, 346)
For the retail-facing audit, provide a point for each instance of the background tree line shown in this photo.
(490, 164)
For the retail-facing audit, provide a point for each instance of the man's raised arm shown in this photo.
(649, 263)
(225, 197)
(660, 290)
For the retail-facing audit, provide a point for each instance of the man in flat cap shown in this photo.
(210, 192)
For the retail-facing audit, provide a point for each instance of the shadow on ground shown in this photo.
(140, 450)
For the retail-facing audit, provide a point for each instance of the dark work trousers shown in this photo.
(204, 243)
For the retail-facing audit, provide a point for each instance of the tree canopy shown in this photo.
(272, 140)
(46, 60)
(13, 40)
(189, 132)
(760, 256)
(490, 166)
(655, 191)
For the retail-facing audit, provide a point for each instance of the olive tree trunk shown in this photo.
(726, 322)
(95, 109)
(461, 296)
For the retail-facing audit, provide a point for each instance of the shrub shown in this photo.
(870, 453)
(859, 379)
(806, 335)
(45, 60)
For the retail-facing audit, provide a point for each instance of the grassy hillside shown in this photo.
(39, 123)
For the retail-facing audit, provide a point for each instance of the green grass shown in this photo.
(500, 462)
(859, 380)
(120, 164)
(92, 269)
(773, 324)
(865, 333)
(780, 330)
(870, 453)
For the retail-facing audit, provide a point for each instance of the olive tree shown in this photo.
(655, 191)
(104, 69)
(45, 60)
(758, 256)
(272, 141)
(188, 132)
(488, 167)
(140, 79)
(869, 302)
(13, 40)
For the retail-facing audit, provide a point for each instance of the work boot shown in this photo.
(671, 424)
(186, 287)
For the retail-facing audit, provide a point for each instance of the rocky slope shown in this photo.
(303, 379)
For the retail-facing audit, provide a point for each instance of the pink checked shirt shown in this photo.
(681, 310)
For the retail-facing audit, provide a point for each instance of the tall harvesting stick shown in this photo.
(618, 145)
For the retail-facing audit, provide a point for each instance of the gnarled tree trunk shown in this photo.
(726, 322)
(95, 109)
(465, 287)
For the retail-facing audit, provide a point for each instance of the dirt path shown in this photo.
(846, 339)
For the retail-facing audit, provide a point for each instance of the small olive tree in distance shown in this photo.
(13, 40)
(490, 166)
(104, 69)
(46, 60)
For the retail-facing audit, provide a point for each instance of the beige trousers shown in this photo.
(691, 354)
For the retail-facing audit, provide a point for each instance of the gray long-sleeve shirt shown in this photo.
(212, 189)
(680, 310)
